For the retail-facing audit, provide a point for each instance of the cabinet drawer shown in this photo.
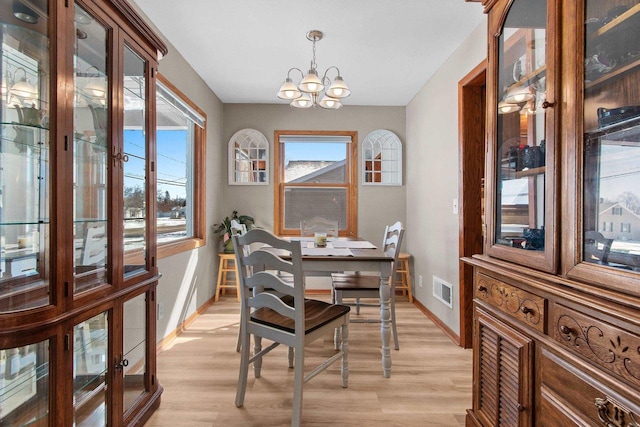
(570, 396)
(613, 348)
(520, 304)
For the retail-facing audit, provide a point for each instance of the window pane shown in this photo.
(90, 349)
(134, 164)
(24, 385)
(611, 196)
(310, 162)
(175, 142)
(91, 136)
(24, 163)
(135, 350)
(307, 202)
(521, 127)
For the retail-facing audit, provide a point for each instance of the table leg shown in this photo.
(385, 318)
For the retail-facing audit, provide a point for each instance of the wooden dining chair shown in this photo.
(361, 285)
(319, 225)
(289, 319)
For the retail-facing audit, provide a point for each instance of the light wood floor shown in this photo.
(430, 382)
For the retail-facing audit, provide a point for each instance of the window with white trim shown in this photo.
(381, 158)
(248, 158)
(180, 154)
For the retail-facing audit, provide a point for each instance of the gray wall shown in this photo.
(432, 176)
(188, 278)
(377, 206)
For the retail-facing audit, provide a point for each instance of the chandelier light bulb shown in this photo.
(518, 95)
(289, 90)
(506, 108)
(303, 102)
(338, 89)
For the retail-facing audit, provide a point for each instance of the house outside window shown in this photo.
(180, 145)
(315, 176)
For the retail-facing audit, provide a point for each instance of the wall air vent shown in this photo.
(443, 291)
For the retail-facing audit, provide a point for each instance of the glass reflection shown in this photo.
(24, 385)
(25, 182)
(135, 350)
(134, 164)
(611, 199)
(521, 154)
(90, 349)
(90, 139)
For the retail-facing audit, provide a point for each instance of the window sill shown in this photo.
(167, 249)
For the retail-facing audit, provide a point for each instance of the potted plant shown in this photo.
(225, 229)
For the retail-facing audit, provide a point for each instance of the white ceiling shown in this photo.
(386, 50)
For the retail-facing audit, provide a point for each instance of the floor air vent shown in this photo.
(443, 291)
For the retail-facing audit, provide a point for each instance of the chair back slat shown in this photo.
(269, 280)
(272, 301)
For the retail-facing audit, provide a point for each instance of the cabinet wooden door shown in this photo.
(502, 372)
(521, 206)
(603, 133)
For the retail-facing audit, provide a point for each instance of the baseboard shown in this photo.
(317, 291)
(189, 320)
(164, 342)
(447, 331)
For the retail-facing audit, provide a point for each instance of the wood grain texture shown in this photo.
(430, 380)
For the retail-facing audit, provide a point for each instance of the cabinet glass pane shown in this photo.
(24, 156)
(90, 349)
(90, 139)
(135, 349)
(612, 134)
(521, 154)
(134, 164)
(24, 385)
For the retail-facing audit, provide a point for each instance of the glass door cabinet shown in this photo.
(609, 146)
(521, 222)
(557, 291)
(77, 267)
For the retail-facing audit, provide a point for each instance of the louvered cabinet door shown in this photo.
(502, 371)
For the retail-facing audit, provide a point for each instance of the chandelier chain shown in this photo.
(313, 63)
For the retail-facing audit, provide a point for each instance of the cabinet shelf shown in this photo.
(532, 78)
(38, 222)
(24, 125)
(530, 172)
(616, 72)
(621, 23)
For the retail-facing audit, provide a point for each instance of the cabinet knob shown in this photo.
(521, 407)
(566, 330)
(547, 104)
(526, 310)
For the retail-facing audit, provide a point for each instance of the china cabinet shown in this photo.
(77, 271)
(557, 289)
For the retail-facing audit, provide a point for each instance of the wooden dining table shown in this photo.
(373, 260)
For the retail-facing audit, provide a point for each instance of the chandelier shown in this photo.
(307, 93)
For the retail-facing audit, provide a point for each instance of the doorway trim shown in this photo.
(471, 149)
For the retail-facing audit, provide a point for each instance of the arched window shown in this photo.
(248, 158)
(381, 158)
